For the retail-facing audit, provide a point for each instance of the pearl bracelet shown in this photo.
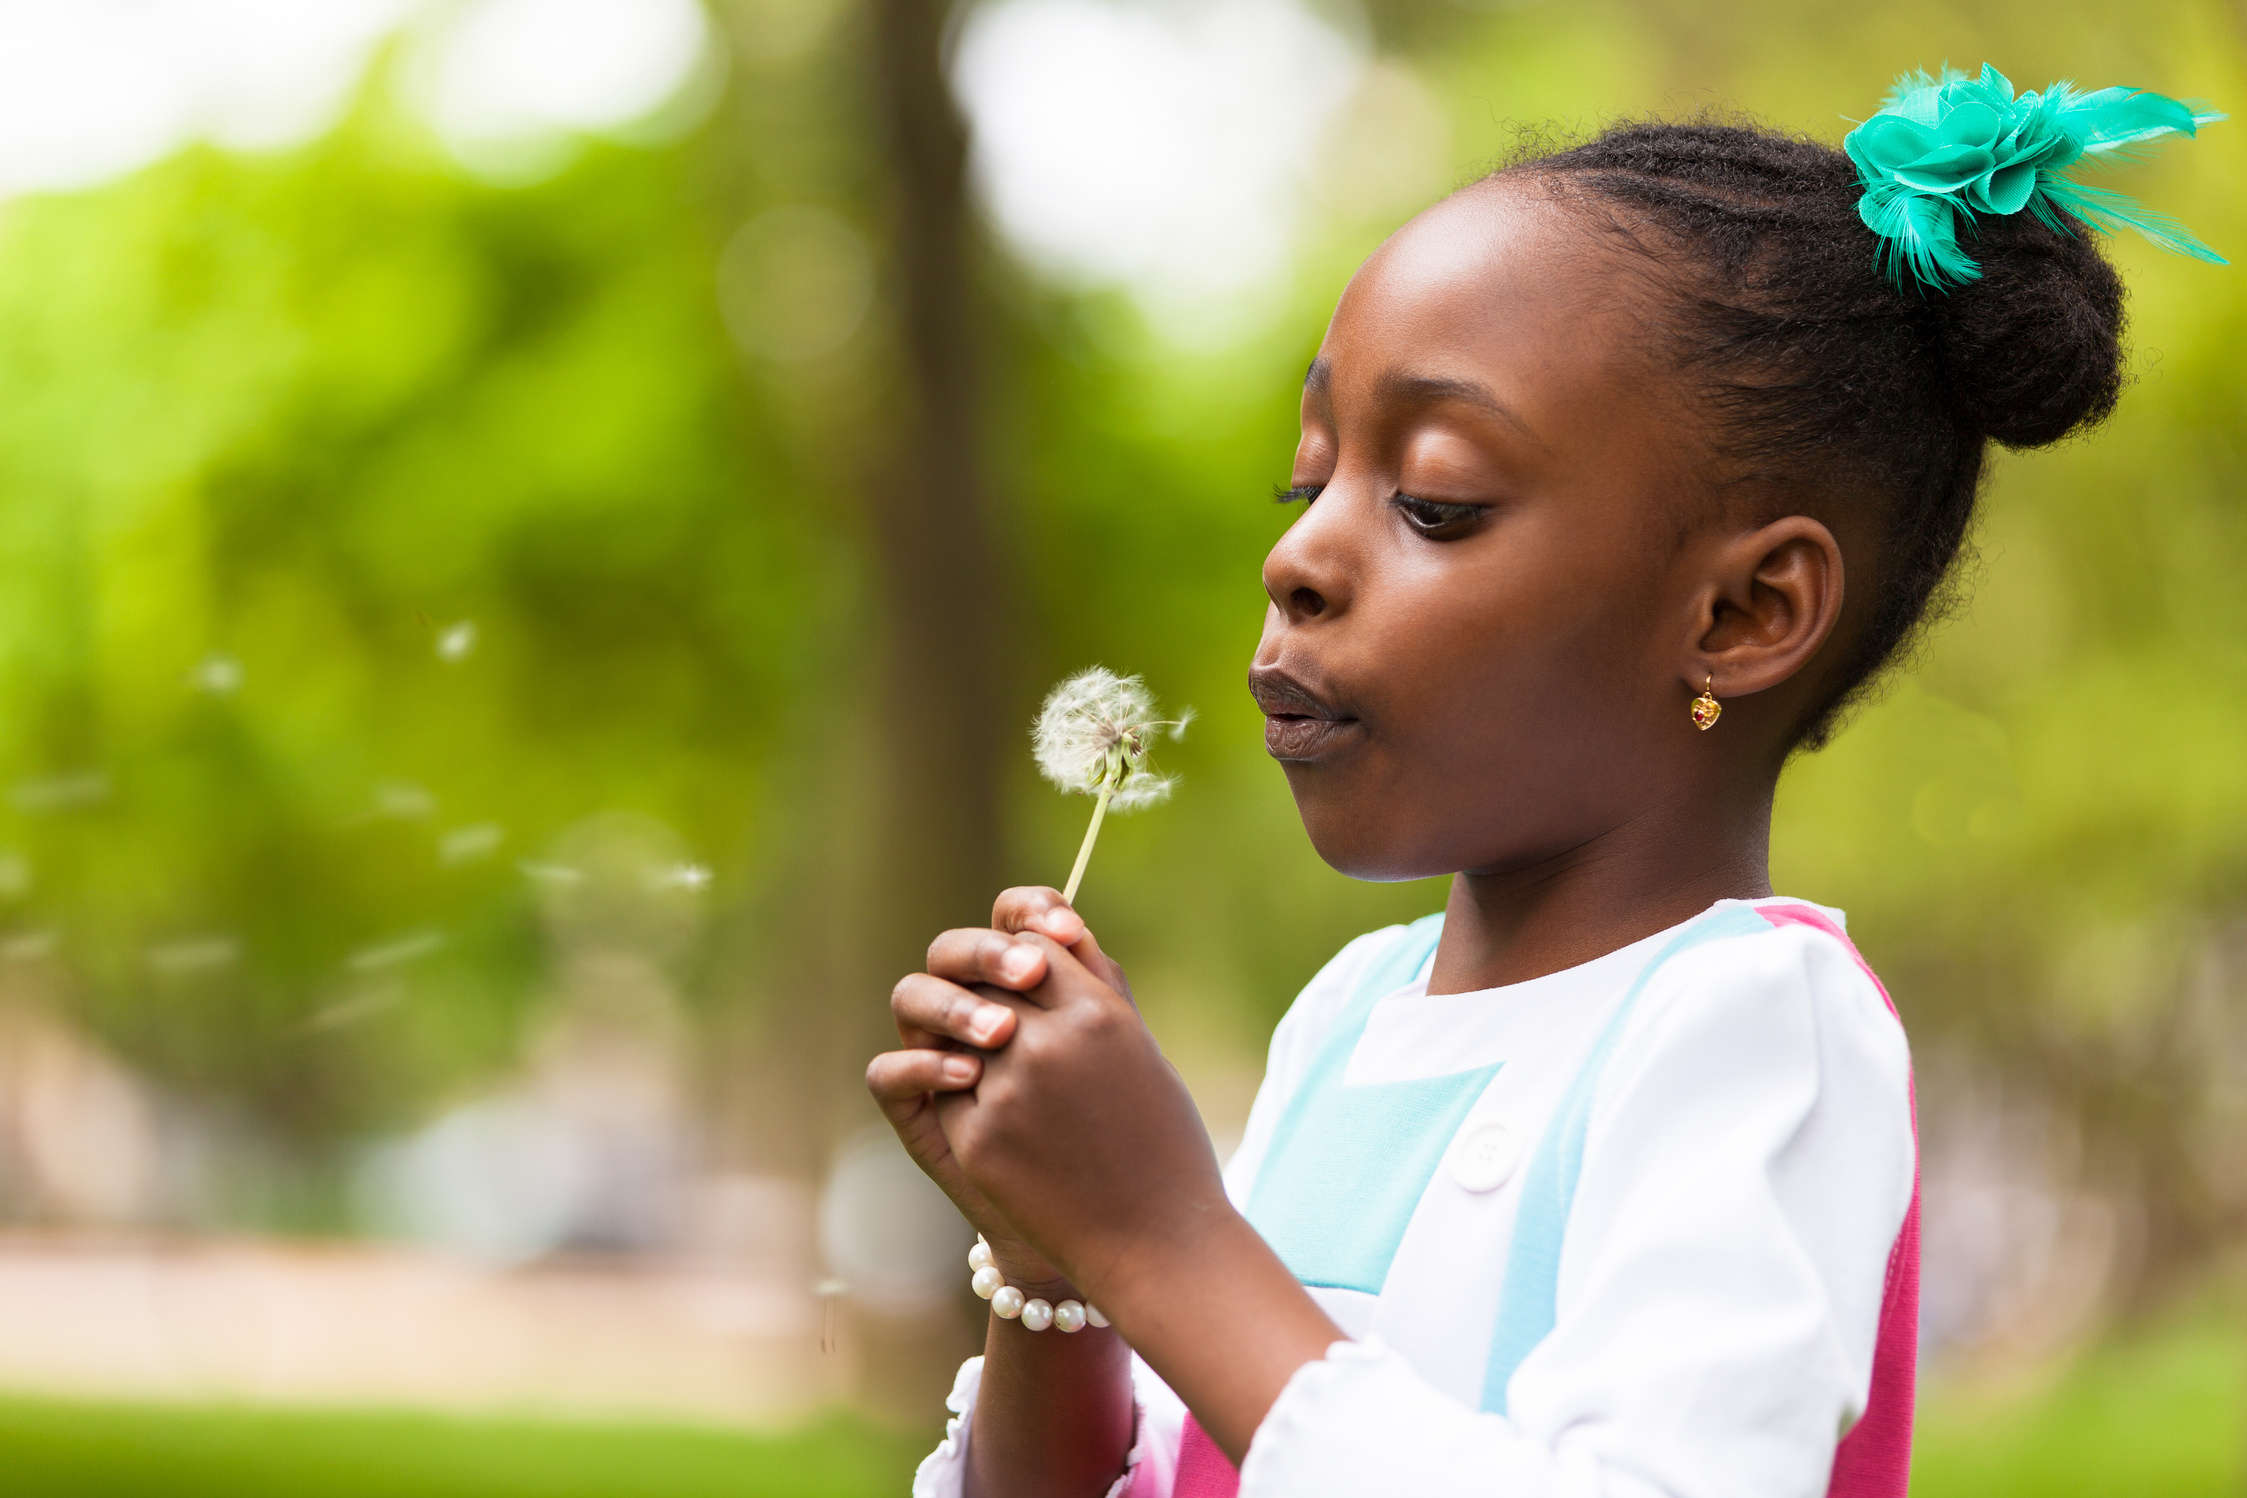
(1037, 1315)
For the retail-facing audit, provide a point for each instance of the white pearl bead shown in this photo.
(1092, 1316)
(988, 1281)
(1069, 1316)
(1008, 1302)
(1037, 1315)
(979, 1257)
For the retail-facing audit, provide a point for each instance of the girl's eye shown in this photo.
(1300, 493)
(1431, 517)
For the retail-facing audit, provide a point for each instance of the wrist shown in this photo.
(1203, 1237)
(1039, 1304)
(1028, 1270)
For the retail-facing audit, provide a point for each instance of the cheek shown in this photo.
(1544, 642)
(1508, 702)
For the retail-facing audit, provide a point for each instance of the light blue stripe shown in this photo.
(1348, 1164)
(1528, 1299)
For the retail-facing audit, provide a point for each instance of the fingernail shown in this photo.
(1019, 963)
(1063, 925)
(959, 1069)
(986, 1022)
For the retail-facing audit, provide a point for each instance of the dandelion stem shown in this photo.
(1084, 854)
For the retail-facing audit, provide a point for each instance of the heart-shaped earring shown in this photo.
(1706, 709)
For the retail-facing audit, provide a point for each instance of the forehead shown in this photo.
(1495, 286)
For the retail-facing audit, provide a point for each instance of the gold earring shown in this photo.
(1706, 708)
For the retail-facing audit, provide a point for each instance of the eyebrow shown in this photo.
(1423, 390)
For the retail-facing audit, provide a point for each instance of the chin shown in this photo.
(1364, 843)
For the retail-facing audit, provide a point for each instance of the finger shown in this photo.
(987, 956)
(897, 1077)
(927, 1004)
(1086, 949)
(1040, 909)
(1061, 965)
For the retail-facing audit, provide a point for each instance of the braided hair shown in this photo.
(1823, 376)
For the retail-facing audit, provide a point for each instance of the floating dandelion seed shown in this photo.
(61, 792)
(1093, 738)
(218, 675)
(690, 876)
(828, 1291)
(194, 954)
(469, 843)
(403, 800)
(407, 948)
(352, 1010)
(26, 946)
(455, 641)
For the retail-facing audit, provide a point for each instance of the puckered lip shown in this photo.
(1301, 721)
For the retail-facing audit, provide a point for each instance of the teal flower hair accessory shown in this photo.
(1954, 148)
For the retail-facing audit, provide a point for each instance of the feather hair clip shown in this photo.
(1945, 150)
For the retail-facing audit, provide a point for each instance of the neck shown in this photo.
(1510, 924)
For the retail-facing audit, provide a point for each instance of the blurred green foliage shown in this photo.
(364, 526)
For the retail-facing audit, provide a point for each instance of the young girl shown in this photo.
(1626, 471)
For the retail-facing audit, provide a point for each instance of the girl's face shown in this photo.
(1472, 656)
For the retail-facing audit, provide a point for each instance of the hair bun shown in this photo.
(2034, 347)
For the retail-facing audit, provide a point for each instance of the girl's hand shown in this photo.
(1078, 1134)
(952, 1005)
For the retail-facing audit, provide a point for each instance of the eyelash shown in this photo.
(1427, 516)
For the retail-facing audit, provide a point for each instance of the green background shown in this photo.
(304, 410)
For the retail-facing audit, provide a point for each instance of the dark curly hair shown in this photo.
(1824, 375)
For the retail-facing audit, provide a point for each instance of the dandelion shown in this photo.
(1093, 738)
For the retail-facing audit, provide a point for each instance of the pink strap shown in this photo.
(1874, 1459)
(1203, 1471)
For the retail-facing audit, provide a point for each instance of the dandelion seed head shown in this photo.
(1095, 734)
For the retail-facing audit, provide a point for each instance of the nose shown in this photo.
(1308, 573)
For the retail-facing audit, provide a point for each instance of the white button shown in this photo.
(1484, 1157)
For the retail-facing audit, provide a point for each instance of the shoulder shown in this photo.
(1770, 955)
(1777, 990)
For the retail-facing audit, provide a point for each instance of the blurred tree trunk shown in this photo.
(931, 528)
(935, 545)
(889, 827)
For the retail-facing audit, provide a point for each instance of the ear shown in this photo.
(1769, 600)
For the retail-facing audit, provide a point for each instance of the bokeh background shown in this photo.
(530, 534)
